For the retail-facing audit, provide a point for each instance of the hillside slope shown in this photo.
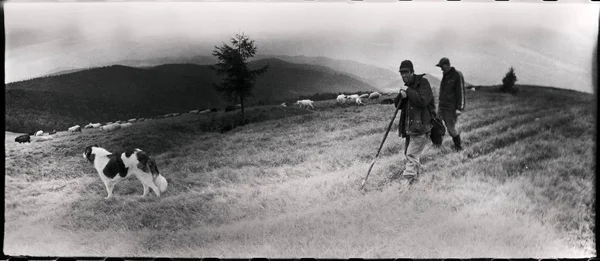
(288, 187)
(121, 92)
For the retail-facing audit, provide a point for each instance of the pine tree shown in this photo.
(232, 66)
(508, 82)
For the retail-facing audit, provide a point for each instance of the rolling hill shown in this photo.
(122, 92)
(370, 74)
(286, 185)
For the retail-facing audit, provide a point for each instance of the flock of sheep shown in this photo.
(113, 126)
(341, 99)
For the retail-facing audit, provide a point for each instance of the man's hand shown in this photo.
(403, 93)
(458, 112)
(403, 88)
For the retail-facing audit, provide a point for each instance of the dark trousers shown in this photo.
(450, 118)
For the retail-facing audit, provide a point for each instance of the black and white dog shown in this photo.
(114, 167)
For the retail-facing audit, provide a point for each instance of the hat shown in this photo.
(443, 61)
(406, 65)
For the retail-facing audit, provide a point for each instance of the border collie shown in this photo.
(114, 167)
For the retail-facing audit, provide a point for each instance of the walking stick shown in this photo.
(380, 146)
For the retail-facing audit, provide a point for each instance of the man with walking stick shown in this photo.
(452, 99)
(416, 102)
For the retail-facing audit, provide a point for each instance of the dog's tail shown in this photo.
(159, 180)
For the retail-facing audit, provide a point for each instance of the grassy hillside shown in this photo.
(121, 92)
(287, 187)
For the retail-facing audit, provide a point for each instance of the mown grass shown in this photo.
(286, 186)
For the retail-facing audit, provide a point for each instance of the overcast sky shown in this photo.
(549, 43)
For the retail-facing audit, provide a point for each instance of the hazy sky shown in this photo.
(547, 43)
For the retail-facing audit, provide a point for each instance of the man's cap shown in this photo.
(406, 65)
(443, 61)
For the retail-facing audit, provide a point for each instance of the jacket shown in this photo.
(452, 91)
(415, 117)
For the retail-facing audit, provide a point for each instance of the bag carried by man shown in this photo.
(438, 130)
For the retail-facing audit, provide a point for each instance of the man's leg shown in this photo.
(413, 153)
(450, 119)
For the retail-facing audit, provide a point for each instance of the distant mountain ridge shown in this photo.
(123, 92)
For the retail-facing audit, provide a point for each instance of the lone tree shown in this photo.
(237, 78)
(508, 82)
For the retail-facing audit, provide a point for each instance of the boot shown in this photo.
(457, 145)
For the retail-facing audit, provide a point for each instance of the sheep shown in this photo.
(352, 96)
(283, 105)
(363, 96)
(125, 125)
(194, 111)
(176, 114)
(359, 102)
(111, 127)
(23, 138)
(89, 126)
(74, 128)
(132, 120)
(204, 111)
(307, 103)
(44, 138)
(374, 95)
(341, 98)
(39, 133)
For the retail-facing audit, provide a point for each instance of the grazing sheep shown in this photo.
(39, 133)
(44, 138)
(194, 111)
(125, 125)
(374, 95)
(111, 127)
(132, 120)
(307, 103)
(23, 138)
(89, 126)
(363, 96)
(74, 128)
(359, 102)
(341, 98)
(283, 105)
(204, 111)
(176, 114)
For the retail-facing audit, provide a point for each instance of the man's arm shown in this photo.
(459, 88)
(421, 97)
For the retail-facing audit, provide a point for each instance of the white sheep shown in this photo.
(111, 127)
(74, 128)
(363, 96)
(204, 111)
(374, 95)
(359, 101)
(194, 111)
(341, 98)
(39, 133)
(125, 125)
(307, 103)
(283, 105)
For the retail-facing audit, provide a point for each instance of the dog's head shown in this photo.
(87, 153)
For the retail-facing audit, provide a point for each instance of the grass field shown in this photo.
(288, 186)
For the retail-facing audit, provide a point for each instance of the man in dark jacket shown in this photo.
(452, 99)
(416, 101)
